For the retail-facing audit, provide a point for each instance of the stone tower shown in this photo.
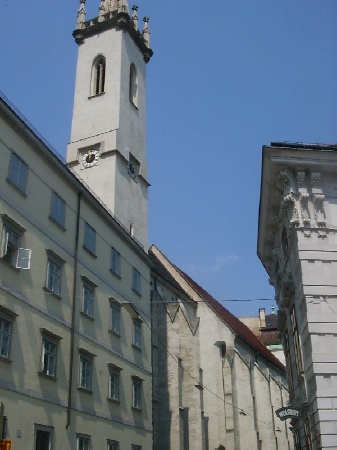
(107, 143)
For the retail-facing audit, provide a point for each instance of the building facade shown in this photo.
(75, 339)
(297, 246)
(215, 385)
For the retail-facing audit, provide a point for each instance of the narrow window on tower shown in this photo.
(133, 86)
(98, 76)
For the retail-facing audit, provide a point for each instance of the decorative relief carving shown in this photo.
(301, 179)
(315, 178)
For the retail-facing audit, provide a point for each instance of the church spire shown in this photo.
(146, 31)
(81, 15)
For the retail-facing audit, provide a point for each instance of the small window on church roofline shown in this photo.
(98, 76)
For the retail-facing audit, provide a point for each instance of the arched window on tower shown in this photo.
(98, 76)
(133, 87)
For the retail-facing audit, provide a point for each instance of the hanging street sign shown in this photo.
(288, 412)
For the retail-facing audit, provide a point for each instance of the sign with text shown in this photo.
(5, 444)
(288, 412)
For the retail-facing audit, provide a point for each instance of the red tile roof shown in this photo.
(239, 328)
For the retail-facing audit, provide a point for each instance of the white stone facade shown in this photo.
(109, 116)
(297, 245)
(212, 388)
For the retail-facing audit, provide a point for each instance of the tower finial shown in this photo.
(122, 6)
(101, 10)
(135, 16)
(146, 31)
(81, 15)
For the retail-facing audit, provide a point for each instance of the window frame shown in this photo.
(54, 262)
(57, 209)
(8, 317)
(136, 281)
(112, 444)
(114, 375)
(86, 439)
(137, 392)
(88, 302)
(115, 262)
(89, 239)
(44, 429)
(296, 341)
(10, 256)
(98, 76)
(85, 371)
(50, 357)
(115, 317)
(133, 85)
(137, 334)
(18, 173)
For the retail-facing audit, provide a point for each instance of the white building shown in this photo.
(297, 246)
(75, 339)
(215, 385)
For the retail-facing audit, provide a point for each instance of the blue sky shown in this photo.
(227, 77)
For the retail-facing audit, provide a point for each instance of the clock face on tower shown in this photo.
(90, 158)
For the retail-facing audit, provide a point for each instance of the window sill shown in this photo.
(55, 222)
(115, 274)
(137, 292)
(89, 251)
(96, 95)
(114, 333)
(53, 294)
(136, 347)
(87, 316)
(135, 408)
(49, 377)
(86, 391)
(9, 265)
(113, 400)
(17, 188)
(134, 105)
(5, 360)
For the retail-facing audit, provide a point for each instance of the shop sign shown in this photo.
(288, 412)
(5, 444)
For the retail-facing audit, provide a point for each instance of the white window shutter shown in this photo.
(23, 258)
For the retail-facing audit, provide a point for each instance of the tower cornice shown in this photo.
(118, 20)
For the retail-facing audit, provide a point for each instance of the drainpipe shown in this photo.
(73, 311)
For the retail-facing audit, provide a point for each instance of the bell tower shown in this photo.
(107, 143)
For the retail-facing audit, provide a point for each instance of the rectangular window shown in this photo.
(89, 239)
(115, 262)
(136, 447)
(88, 293)
(83, 442)
(288, 364)
(137, 333)
(296, 339)
(10, 244)
(136, 281)
(54, 271)
(137, 393)
(85, 372)
(57, 209)
(5, 336)
(115, 317)
(114, 378)
(43, 437)
(113, 445)
(49, 352)
(18, 171)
